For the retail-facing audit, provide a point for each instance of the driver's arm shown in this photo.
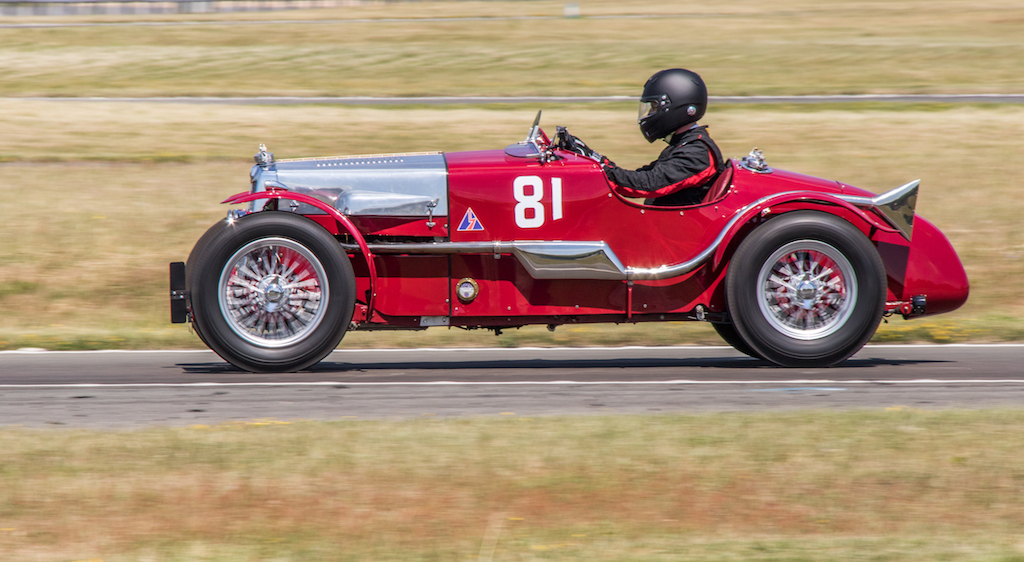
(677, 168)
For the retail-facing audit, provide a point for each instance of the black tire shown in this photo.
(728, 333)
(806, 289)
(190, 265)
(272, 292)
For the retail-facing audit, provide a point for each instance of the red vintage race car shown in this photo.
(789, 268)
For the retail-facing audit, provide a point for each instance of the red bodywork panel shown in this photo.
(411, 285)
(645, 237)
(639, 236)
(494, 197)
(934, 270)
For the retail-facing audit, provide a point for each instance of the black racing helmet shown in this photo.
(672, 98)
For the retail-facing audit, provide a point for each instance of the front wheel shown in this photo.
(190, 266)
(272, 292)
(806, 289)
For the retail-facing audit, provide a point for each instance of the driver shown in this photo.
(672, 102)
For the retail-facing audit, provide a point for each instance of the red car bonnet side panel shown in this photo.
(934, 270)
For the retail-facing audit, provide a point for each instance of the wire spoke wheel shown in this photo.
(273, 292)
(808, 289)
(805, 289)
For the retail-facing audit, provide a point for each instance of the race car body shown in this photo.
(790, 268)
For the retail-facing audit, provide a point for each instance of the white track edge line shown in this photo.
(880, 382)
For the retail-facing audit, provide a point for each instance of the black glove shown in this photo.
(580, 147)
(573, 144)
(566, 141)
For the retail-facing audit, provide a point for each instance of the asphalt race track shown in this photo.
(178, 388)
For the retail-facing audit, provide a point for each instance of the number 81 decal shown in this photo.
(529, 207)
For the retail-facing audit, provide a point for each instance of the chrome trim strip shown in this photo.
(897, 206)
(543, 260)
(577, 260)
(569, 260)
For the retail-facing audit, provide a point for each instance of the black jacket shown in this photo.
(681, 175)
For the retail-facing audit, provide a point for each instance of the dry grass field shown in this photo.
(98, 197)
(892, 485)
(741, 47)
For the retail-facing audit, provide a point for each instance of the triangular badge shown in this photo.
(470, 222)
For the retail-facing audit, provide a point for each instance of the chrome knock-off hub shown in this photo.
(807, 292)
(270, 293)
(807, 289)
(273, 292)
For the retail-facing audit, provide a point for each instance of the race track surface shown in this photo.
(176, 388)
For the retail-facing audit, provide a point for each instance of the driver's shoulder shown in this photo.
(688, 149)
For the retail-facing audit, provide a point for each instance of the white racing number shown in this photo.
(529, 209)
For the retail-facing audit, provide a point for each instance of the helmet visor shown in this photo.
(647, 108)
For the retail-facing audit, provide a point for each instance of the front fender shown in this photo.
(277, 193)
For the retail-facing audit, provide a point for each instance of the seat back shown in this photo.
(721, 185)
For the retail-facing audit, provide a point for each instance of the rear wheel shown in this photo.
(273, 292)
(806, 289)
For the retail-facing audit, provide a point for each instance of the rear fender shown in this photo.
(775, 205)
(278, 193)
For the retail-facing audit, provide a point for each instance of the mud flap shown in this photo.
(179, 302)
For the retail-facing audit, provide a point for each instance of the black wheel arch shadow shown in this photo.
(497, 368)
